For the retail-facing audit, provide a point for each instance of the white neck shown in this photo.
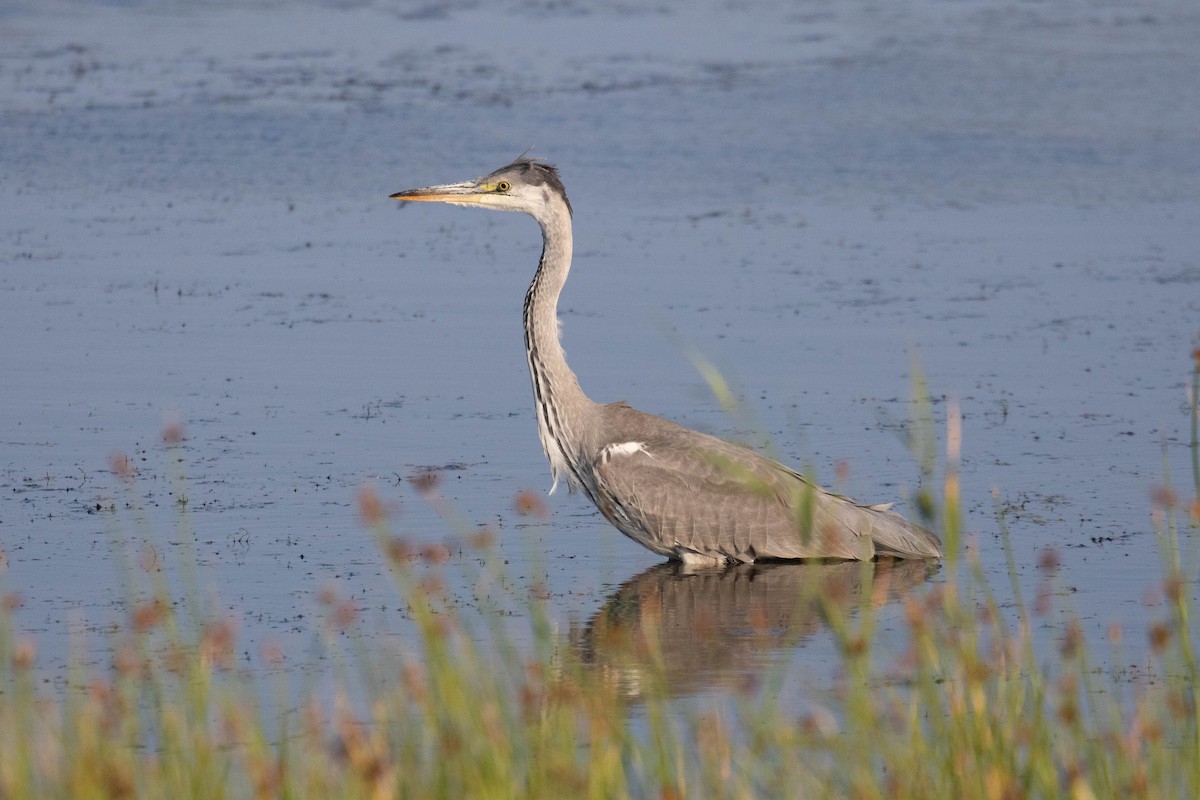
(558, 400)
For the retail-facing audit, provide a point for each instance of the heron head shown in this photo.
(524, 185)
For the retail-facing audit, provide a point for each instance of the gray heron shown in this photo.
(683, 494)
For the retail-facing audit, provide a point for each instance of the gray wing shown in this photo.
(681, 492)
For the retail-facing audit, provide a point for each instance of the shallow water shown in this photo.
(196, 230)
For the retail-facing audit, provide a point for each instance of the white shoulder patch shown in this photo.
(622, 449)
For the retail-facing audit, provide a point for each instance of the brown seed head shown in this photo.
(529, 504)
(173, 433)
(344, 615)
(1160, 635)
(148, 615)
(1048, 559)
(414, 681)
(914, 612)
(435, 553)
(100, 690)
(216, 644)
(1072, 640)
(397, 550)
(1068, 712)
(126, 660)
(432, 586)
(1164, 497)
(482, 539)
(177, 658)
(24, 654)
(118, 781)
(121, 466)
(856, 646)
(370, 507)
(1180, 704)
(1173, 588)
(425, 482)
(1041, 603)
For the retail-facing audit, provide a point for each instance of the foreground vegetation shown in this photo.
(971, 711)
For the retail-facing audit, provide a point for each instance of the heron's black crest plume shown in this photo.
(534, 172)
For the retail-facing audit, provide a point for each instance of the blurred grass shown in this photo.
(974, 711)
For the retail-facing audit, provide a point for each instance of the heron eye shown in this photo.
(502, 186)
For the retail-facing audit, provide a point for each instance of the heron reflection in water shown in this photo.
(681, 631)
(683, 494)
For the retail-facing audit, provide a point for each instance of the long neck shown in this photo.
(561, 405)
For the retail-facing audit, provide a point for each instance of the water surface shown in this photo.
(196, 230)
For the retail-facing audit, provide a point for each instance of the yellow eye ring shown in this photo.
(503, 186)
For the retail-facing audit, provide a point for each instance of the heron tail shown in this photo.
(893, 535)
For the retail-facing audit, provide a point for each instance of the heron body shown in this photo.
(683, 494)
